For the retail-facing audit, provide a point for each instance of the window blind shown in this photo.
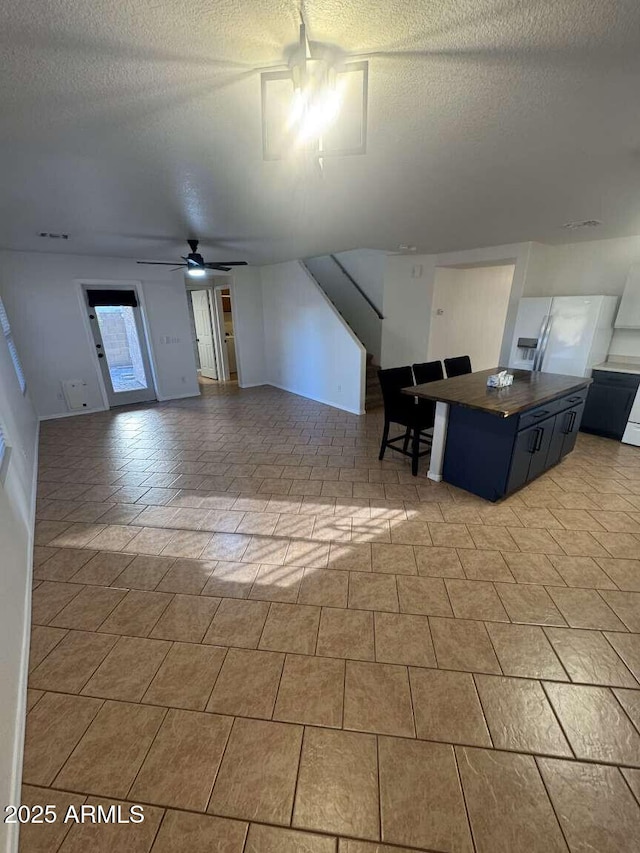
(13, 352)
(116, 297)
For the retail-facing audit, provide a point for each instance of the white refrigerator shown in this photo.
(562, 334)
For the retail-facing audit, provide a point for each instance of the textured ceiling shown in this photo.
(131, 124)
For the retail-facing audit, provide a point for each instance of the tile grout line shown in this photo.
(560, 723)
(483, 711)
(474, 844)
(552, 804)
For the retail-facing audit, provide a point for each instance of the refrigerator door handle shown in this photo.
(538, 353)
(545, 341)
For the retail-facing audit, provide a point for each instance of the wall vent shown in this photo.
(75, 394)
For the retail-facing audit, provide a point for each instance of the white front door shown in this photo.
(204, 333)
(118, 334)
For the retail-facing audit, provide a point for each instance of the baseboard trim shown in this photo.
(72, 414)
(318, 399)
(178, 396)
(18, 744)
(253, 384)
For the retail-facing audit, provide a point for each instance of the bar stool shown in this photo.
(457, 366)
(402, 409)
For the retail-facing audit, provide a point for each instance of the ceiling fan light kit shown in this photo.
(195, 265)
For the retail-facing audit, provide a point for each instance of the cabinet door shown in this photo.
(607, 409)
(571, 427)
(523, 451)
(558, 436)
(543, 435)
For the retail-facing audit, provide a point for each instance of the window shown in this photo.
(13, 352)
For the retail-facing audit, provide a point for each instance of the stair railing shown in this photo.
(348, 275)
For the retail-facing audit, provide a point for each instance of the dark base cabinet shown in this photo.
(492, 456)
(609, 403)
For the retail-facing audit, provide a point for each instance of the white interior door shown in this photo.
(204, 333)
(221, 345)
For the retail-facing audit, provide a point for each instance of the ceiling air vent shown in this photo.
(53, 235)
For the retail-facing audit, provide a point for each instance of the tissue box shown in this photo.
(500, 380)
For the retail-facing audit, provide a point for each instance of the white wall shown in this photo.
(17, 495)
(408, 291)
(350, 303)
(368, 267)
(41, 292)
(248, 326)
(468, 313)
(591, 268)
(408, 297)
(309, 349)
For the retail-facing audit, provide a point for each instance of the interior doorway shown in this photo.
(203, 327)
(229, 341)
(469, 312)
(118, 334)
(211, 315)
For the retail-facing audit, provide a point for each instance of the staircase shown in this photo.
(356, 309)
(373, 394)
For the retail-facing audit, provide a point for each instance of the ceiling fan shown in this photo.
(196, 265)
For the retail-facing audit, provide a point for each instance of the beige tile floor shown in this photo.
(275, 643)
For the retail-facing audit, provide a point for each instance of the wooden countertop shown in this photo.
(528, 391)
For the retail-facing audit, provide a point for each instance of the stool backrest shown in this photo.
(457, 366)
(398, 407)
(428, 371)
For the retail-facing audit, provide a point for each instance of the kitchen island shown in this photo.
(491, 441)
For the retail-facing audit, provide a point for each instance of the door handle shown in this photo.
(574, 399)
(537, 437)
(542, 414)
(100, 355)
(98, 346)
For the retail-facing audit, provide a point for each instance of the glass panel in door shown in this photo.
(124, 362)
(121, 347)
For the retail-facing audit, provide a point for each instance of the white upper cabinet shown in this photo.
(629, 310)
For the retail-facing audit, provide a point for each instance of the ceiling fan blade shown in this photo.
(226, 264)
(218, 267)
(160, 263)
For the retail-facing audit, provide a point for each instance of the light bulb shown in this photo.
(320, 113)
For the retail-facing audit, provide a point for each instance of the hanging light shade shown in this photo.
(314, 107)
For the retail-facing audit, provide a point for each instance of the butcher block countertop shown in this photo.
(527, 391)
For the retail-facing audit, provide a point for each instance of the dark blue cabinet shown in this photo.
(609, 403)
(493, 457)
